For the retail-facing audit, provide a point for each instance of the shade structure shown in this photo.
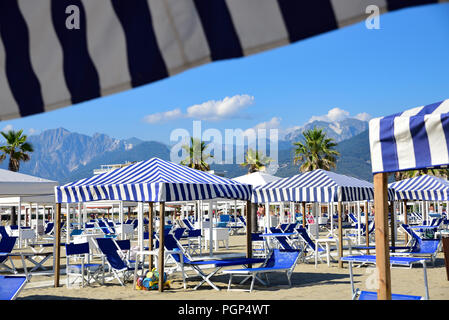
(153, 180)
(425, 187)
(70, 51)
(256, 178)
(15, 184)
(315, 186)
(417, 138)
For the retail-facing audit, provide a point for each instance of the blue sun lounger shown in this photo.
(278, 261)
(10, 286)
(171, 244)
(358, 294)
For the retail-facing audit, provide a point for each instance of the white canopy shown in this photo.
(256, 178)
(14, 184)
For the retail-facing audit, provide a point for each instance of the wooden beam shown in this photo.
(150, 232)
(405, 219)
(340, 234)
(160, 259)
(303, 205)
(249, 247)
(392, 224)
(382, 245)
(57, 245)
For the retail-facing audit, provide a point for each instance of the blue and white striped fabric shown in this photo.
(315, 186)
(153, 180)
(425, 187)
(414, 139)
(48, 60)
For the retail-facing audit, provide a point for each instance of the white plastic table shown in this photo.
(218, 234)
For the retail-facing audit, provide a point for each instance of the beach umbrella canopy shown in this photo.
(15, 184)
(417, 138)
(153, 180)
(425, 187)
(54, 53)
(315, 186)
(256, 178)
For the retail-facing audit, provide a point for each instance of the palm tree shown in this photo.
(16, 148)
(197, 155)
(317, 151)
(255, 161)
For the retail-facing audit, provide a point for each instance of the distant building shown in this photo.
(109, 167)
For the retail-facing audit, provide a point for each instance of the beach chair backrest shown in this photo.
(275, 230)
(242, 220)
(124, 244)
(305, 236)
(76, 248)
(178, 233)
(352, 217)
(7, 244)
(290, 228)
(282, 259)
(49, 227)
(283, 242)
(3, 232)
(256, 237)
(188, 224)
(109, 249)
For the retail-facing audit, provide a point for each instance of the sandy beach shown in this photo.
(308, 283)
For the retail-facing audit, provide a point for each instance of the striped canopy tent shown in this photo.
(417, 138)
(153, 181)
(425, 188)
(315, 186)
(54, 53)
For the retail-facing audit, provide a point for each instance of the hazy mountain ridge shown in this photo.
(67, 156)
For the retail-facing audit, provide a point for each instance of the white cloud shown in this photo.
(363, 116)
(164, 116)
(337, 114)
(213, 110)
(7, 127)
(229, 107)
(273, 123)
(32, 131)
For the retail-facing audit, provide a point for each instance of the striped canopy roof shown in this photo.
(153, 180)
(315, 186)
(414, 139)
(54, 53)
(425, 187)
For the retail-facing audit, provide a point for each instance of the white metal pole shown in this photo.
(140, 225)
(211, 226)
(120, 217)
(68, 223)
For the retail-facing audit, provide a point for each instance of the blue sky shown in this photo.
(378, 72)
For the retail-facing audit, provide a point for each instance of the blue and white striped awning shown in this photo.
(315, 186)
(425, 187)
(154, 180)
(54, 53)
(414, 139)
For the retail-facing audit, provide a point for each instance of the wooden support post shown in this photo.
(57, 245)
(340, 234)
(366, 226)
(303, 205)
(150, 232)
(254, 224)
(161, 246)
(382, 245)
(392, 224)
(445, 241)
(405, 220)
(249, 246)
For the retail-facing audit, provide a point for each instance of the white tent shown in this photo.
(14, 184)
(256, 178)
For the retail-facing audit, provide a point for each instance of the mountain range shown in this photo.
(67, 156)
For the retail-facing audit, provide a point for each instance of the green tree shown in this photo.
(316, 152)
(16, 148)
(196, 155)
(255, 161)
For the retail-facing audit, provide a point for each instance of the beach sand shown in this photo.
(308, 283)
